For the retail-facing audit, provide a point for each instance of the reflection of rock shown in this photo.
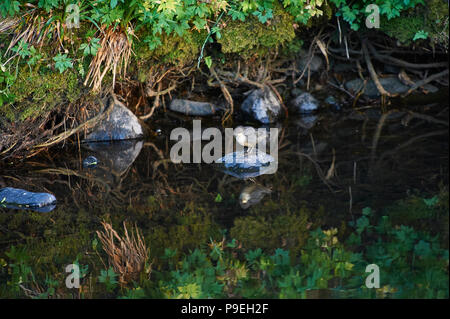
(22, 199)
(116, 156)
(120, 124)
(193, 108)
(245, 165)
(252, 195)
(262, 105)
(307, 121)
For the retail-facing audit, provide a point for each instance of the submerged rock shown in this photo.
(262, 105)
(252, 195)
(120, 124)
(245, 165)
(18, 198)
(305, 103)
(193, 108)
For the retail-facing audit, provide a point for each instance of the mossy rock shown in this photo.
(39, 92)
(253, 37)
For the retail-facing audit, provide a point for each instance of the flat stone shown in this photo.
(391, 85)
(192, 108)
(262, 105)
(120, 124)
(18, 198)
(245, 165)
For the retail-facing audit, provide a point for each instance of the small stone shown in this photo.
(192, 108)
(305, 103)
(90, 162)
(262, 105)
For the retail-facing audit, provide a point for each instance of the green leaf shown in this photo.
(421, 34)
(208, 62)
(218, 198)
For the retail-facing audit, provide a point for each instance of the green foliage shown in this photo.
(354, 12)
(9, 7)
(109, 278)
(62, 62)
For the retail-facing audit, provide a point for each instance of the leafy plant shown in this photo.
(62, 62)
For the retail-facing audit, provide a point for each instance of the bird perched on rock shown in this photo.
(249, 137)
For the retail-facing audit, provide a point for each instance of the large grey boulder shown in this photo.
(193, 108)
(119, 124)
(21, 199)
(262, 105)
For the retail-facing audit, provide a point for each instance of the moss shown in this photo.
(289, 231)
(432, 19)
(39, 92)
(252, 37)
(173, 50)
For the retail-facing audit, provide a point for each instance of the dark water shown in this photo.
(339, 164)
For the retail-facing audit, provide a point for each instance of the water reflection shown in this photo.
(252, 195)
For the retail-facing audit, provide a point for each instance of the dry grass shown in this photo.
(127, 254)
(114, 54)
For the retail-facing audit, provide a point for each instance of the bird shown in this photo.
(249, 137)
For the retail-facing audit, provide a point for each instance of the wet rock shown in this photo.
(90, 161)
(120, 124)
(114, 157)
(252, 195)
(18, 198)
(305, 103)
(192, 108)
(245, 165)
(262, 105)
(391, 85)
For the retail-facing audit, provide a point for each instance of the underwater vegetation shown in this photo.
(191, 261)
